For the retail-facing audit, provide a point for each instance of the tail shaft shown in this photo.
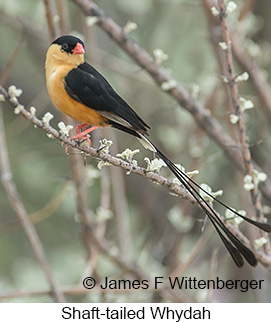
(234, 246)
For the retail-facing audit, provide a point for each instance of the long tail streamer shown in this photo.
(236, 248)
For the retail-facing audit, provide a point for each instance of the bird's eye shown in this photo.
(65, 46)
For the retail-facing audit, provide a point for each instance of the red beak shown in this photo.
(78, 49)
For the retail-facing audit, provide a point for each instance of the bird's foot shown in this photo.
(83, 135)
(80, 127)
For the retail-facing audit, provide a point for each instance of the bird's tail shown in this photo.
(235, 247)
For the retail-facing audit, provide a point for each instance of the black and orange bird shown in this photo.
(80, 91)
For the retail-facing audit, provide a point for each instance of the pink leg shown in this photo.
(80, 126)
(83, 135)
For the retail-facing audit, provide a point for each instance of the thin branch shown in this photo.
(75, 290)
(100, 227)
(208, 123)
(16, 23)
(68, 291)
(85, 215)
(213, 273)
(20, 211)
(37, 216)
(216, 37)
(182, 267)
(62, 13)
(121, 209)
(7, 70)
(153, 176)
(256, 75)
(248, 5)
(50, 19)
(255, 196)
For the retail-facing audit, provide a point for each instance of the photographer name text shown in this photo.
(182, 283)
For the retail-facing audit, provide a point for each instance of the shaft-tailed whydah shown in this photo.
(80, 91)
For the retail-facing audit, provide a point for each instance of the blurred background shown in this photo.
(141, 222)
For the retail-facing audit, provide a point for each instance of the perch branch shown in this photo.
(153, 176)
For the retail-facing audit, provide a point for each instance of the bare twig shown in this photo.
(120, 204)
(246, 9)
(182, 267)
(256, 75)
(81, 290)
(7, 70)
(85, 215)
(216, 37)
(213, 273)
(19, 209)
(255, 196)
(70, 290)
(61, 9)
(39, 215)
(236, 105)
(247, 63)
(208, 123)
(50, 19)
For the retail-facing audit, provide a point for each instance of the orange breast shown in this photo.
(60, 98)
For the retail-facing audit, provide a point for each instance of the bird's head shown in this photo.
(67, 50)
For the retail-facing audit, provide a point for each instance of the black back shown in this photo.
(86, 85)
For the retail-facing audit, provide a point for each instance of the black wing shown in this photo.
(86, 85)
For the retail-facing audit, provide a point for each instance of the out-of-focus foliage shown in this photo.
(42, 171)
